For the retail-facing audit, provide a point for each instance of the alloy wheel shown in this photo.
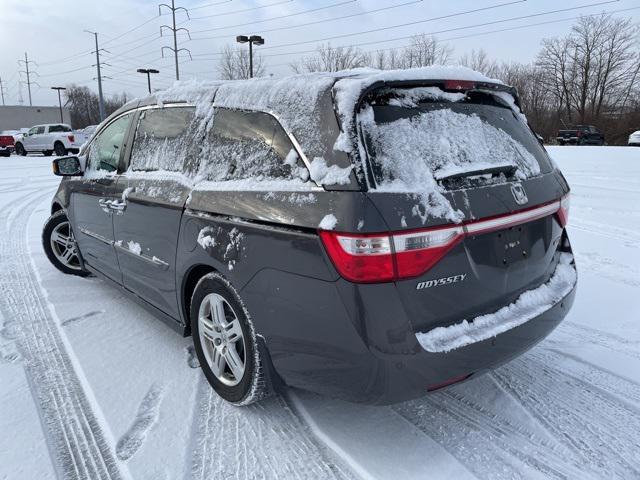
(64, 246)
(222, 339)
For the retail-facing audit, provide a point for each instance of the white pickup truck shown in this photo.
(55, 138)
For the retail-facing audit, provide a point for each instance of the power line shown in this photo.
(26, 62)
(316, 22)
(243, 10)
(476, 10)
(175, 30)
(206, 5)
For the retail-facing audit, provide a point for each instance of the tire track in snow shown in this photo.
(582, 333)
(146, 419)
(259, 441)
(78, 445)
(600, 430)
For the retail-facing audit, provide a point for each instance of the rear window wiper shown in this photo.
(507, 170)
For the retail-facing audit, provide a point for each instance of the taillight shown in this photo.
(563, 211)
(71, 138)
(417, 252)
(385, 257)
(360, 258)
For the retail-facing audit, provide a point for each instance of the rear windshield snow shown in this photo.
(414, 145)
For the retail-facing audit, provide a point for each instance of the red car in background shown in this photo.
(7, 144)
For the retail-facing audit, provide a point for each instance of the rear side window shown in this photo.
(249, 145)
(40, 130)
(59, 128)
(164, 139)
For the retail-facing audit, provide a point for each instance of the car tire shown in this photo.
(20, 150)
(59, 149)
(47, 153)
(223, 335)
(60, 246)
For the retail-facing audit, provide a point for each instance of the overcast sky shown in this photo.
(52, 34)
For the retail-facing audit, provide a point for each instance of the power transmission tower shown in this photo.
(99, 77)
(175, 31)
(2, 91)
(28, 73)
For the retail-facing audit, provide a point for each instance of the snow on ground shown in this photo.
(92, 386)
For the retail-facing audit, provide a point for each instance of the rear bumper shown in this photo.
(355, 343)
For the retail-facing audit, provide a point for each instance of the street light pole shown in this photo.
(253, 39)
(59, 100)
(148, 71)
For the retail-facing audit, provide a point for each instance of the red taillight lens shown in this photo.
(71, 138)
(563, 211)
(360, 258)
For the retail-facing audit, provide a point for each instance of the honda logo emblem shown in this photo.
(519, 194)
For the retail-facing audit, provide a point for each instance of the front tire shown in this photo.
(226, 343)
(59, 149)
(20, 150)
(60, 245)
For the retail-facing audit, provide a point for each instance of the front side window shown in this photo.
(104, 152)
(32, 131)
(249, 145)
(164, 139)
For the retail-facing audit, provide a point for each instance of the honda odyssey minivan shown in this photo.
(371, 236)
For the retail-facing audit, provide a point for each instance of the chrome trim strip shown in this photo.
(513, 219)
(153, 260)
(96, 236)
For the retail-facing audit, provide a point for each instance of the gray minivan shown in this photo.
(372, 236)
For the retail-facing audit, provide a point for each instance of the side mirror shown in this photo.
(67, 167)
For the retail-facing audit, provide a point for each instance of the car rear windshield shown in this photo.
(415, 138)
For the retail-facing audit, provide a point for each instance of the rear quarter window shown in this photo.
(246, 145)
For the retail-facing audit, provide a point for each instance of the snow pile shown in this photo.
(195, 92)
(205, 238)
(325, 175)
(410, 97)
(328, 222)
(528, 306)
(134, 247)
(347, 92)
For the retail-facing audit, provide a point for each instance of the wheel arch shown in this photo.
(55, 207)
(189, 282)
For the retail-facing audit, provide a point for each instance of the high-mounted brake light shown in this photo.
(385, 257)
(459, 85)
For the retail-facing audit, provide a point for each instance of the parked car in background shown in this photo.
(366, 241)
(580, 135)
(7, 142)
(51, 138)
(84, 134)
(634, 139)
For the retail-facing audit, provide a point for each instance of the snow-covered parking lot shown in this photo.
(92, 386)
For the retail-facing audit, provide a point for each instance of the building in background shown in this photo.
(14, 117)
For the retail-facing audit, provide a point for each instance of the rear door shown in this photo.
(94, 199)
(152, 193)
(439, 163)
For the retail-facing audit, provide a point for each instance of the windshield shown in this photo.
(445, 135)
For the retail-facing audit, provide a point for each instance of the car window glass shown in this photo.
(59, 128)
(164, 139)
(32, 131)
(40, 130)
(104, 152)
(243, 145)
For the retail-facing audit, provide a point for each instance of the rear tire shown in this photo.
(20, 150)
(226, 343)
(60, 245)
(60, 150)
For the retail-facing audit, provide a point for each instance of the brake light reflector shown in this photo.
(563, 211)
(417, 252)
(71, 138)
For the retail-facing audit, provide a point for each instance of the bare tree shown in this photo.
(234, 64)
(479, 60)
(332, 59)
(83, 105)
(425, 50)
